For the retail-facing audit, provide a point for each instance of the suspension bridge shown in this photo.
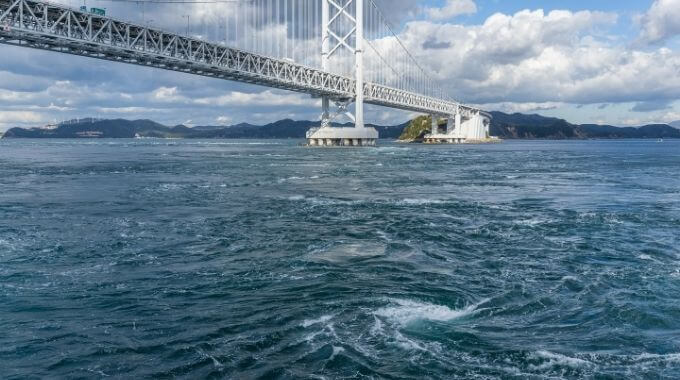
(343, 52)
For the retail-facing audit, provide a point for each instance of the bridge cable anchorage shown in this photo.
(386, 74)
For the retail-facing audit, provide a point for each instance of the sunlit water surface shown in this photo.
(246, 259)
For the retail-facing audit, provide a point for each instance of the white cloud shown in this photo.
(167, 94)
(15, 96)
(510, 107)
(630, 122)
(538, 57)
(661, 22)
(223, 120)
(663, 118)
(21, 117)
(451, 9)
(264, 98)
(670, 117)
(127, 110)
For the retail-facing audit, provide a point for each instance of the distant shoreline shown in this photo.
(504, 126)
(395, 140)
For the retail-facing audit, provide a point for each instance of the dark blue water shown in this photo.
(247, 259)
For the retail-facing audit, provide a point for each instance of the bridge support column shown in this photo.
(325, 45)
(435, 125)
(326, 135)
(359, 62)
(450, 125)
(325, 112)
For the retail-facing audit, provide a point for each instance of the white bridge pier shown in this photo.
(471, 130)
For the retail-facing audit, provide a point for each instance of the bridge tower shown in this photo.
(332, 40)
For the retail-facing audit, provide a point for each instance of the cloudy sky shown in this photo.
(605, 61)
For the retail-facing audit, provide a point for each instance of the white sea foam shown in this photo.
(533, 222)
(555, 359)
(6, 244)
(98, 372)
(419, 201)
(166, 187)
(321, 201)
(329, 202)
(311, 322)
(331, 330)
(607, 218)
(293, 178)
(377, 326)
(406, 343)
(296, 178)
(336, 350)
(406, 312)
(310, 337)
(342, 252)
(234, 143)
(673, 358)
(216, 362)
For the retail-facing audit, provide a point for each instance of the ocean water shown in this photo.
(264, 259)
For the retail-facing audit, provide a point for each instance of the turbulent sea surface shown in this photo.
(264, 259)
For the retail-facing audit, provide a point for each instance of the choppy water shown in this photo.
(246, 259)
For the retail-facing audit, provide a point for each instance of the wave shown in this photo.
(555, 359)
(311, 322)
(319, 201)
(315, 201)
(296, 178)
(406, 312)
(344, 252)
(536, 221)
(336, 350)
(419, 201)
(664, 358)
(232, 143)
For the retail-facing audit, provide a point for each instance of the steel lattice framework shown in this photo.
(54, 27)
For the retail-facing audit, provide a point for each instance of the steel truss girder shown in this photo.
(46, 26)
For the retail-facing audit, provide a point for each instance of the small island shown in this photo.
(420, 129)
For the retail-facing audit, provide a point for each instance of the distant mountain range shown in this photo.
(505, 126)
(522, 126)
(120, 128)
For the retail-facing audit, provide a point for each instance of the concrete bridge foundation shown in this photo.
(331, 136)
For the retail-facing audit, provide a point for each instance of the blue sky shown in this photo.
(606, 61)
